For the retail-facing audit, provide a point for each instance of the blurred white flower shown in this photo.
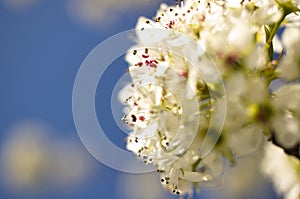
(266, 12)
(288, 113)
(243, 179)
(94, 12)
(293, 20)
(20, 4)
(283, 170)
(32, 160)
(290, 65)
(137, 186)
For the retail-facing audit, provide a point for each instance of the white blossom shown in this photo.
(283, 170)
(290, 65)
(288, 113)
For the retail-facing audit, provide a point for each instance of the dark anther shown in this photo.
(133, 118)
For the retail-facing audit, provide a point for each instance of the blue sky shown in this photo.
(41, 50)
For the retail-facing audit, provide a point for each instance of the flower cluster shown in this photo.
(255, 48)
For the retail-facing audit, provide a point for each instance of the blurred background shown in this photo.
(42, 45)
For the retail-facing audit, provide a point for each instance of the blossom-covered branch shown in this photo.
(255, 46)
